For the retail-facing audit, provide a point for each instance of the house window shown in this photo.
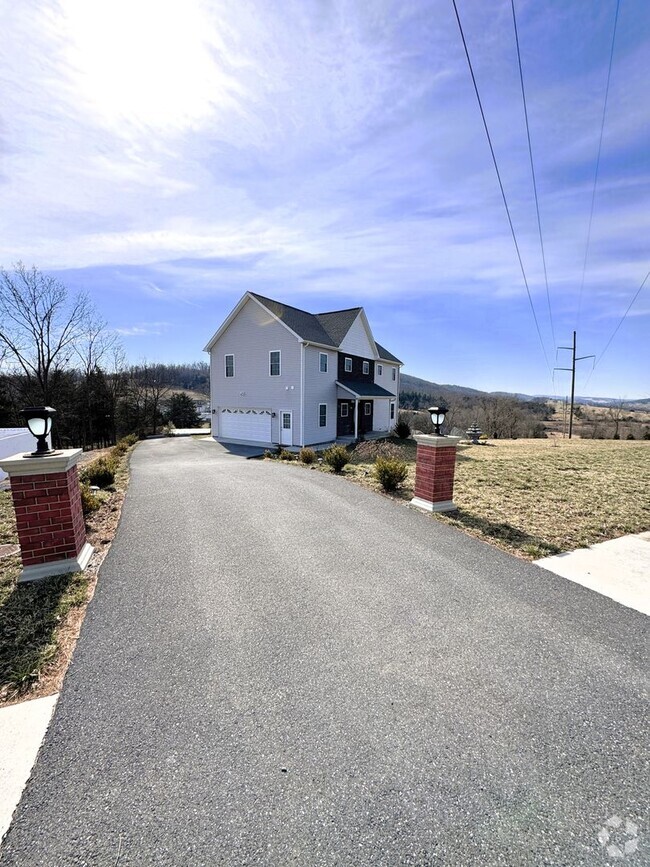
(230, 365)
(322, 415)
(394, 374)
(274, 362)
(344, 410)
(348, 365)
(366, 367)
(367, 408)
(380, 369)
(392, 411)
(323, 362)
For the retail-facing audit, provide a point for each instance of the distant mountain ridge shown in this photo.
(436, 389)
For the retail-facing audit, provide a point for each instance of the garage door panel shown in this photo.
(245, 424)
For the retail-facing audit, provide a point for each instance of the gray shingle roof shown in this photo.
(326, 328)
(364, 389)
(385, 354)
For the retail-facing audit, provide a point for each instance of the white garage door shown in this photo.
(245, 424)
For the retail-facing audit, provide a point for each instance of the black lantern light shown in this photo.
(39, 422)
(438, 414)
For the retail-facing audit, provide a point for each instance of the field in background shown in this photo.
(541, 497)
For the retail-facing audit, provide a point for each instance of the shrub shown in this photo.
(336, 457)
(90, 502)
(390, 473)
(122, 446)
(307, 456)
(269, 454)
(630, 436)
(286, 455)
(402, 428)
(100, 472)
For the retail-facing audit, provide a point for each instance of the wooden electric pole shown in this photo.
(572, 370)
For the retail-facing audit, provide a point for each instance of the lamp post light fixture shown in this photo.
(39, 422)
(438, 414)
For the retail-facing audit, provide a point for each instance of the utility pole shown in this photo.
(572, 371)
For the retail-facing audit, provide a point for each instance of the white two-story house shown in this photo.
(279, 375)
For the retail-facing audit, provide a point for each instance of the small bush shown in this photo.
(336, 457)
(100, 472)
(307, 456)
(390, 473)
(122, 446)
(285, 455)
(269, 454)
(402, 428)
(90, 502)
(630, 436)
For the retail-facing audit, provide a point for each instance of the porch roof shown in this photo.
(361, 390)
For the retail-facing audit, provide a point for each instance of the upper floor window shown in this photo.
(366, 367)
(348, 365)
(230, 365)
(394, 374)
(274, 362)
(322, 362)
(322, 415)
(380, 369)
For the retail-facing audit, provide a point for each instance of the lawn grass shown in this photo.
(541, 497)
(35, 618)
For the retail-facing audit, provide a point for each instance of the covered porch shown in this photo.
(363, 409)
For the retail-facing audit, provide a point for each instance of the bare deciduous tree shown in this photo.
(40, 325)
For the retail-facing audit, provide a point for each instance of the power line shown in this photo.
(532, 169)
(600, 144)
(505, 201)
(615, 332)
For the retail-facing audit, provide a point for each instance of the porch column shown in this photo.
(356, 418)
(434, 473)
(50, 522)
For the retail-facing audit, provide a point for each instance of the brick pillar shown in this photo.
(434, 473)
(50, 521)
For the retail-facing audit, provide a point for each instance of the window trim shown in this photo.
(321, 356)
(345, 406)
(365, 368)
(367, 407)
(345, 365)
(271, 352)
(225, 365)
(380, 370)
(322, 423)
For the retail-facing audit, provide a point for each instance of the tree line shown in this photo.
(55, 350)
(498, 416)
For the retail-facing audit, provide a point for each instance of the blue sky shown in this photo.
(168, 156)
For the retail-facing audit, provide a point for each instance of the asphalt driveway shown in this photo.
(280, 667)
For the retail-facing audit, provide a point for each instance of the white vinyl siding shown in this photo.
(251, 335)
(357, 341)
(229, 365)
(323, 360)
(275, 362)
(319, 388)
(322, 415)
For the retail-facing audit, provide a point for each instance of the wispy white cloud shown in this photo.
(143, 328)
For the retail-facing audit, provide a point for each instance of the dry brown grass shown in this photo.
(540, 497)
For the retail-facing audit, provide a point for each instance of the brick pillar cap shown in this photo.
(434, 441)
(19, 465)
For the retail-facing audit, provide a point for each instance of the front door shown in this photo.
(286, 432)
(345, 418)
(365, 416)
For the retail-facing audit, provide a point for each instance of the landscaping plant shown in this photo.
(336, 457)
(307, 456)
(100, 472)
(390, 472)
(402, 428)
